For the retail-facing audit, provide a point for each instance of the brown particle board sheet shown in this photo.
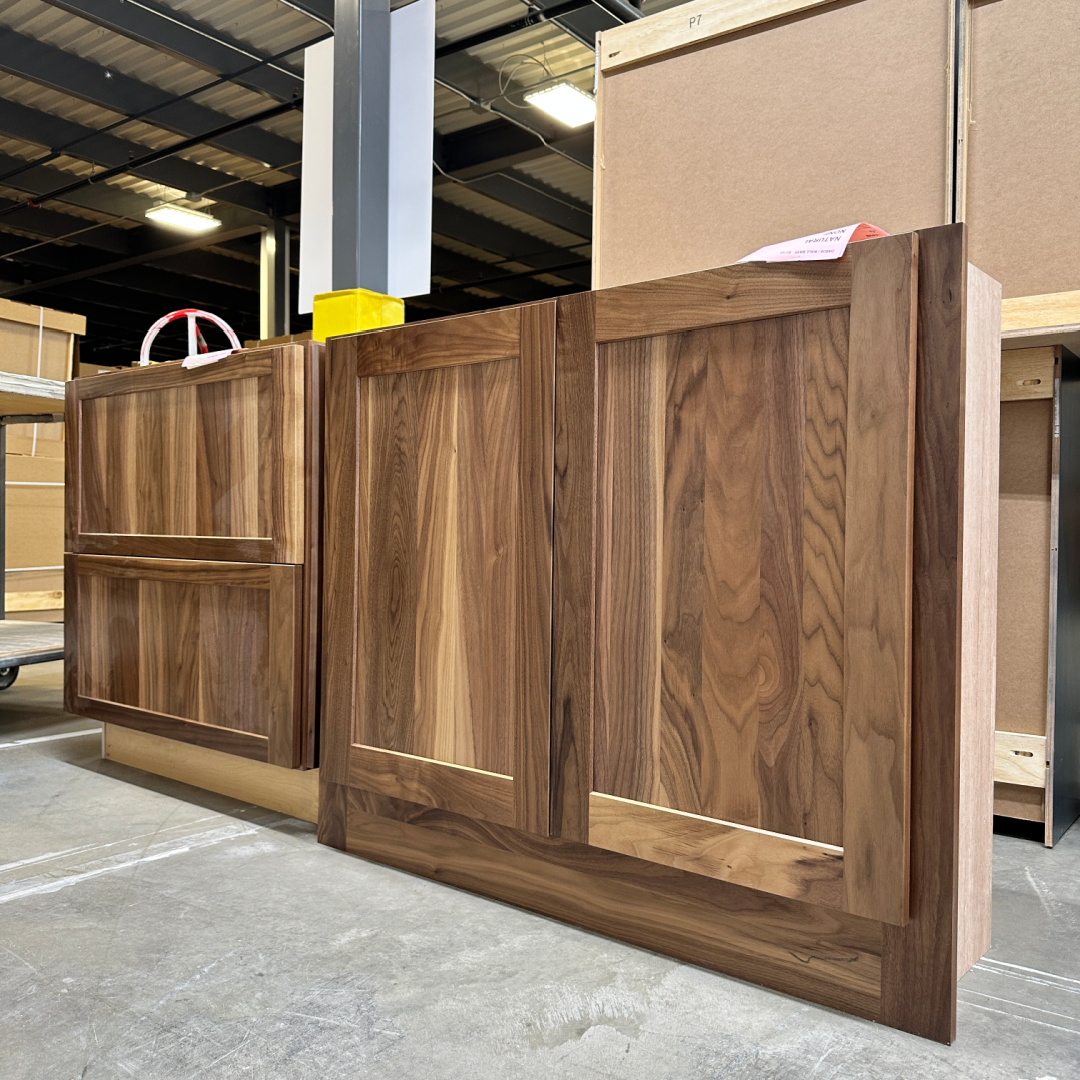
(829, 116)
(1023, 157)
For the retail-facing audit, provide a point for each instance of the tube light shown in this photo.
(566, 103)
(180, 217)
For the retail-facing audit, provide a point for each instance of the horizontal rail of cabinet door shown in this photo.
(212, 462)
(437, 623)
(207, 653)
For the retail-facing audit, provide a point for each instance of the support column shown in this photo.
(274, 299)
(361, 143)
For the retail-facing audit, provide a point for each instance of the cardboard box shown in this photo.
(37, 341)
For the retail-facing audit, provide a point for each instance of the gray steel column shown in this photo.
(274, 281)
(361, 143)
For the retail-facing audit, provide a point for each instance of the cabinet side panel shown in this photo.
(979, 597)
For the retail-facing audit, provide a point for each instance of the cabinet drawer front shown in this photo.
(208, 463)
(438, 579)
(208, 653)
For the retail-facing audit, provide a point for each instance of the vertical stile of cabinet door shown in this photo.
(207, 463)
(445, 608)
(204, 652)
(753, 546)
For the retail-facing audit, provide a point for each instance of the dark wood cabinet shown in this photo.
(438, 603)
(193, 552)
(750, 534)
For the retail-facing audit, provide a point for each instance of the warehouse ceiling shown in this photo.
(111, 107)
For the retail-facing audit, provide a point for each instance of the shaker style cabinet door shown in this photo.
(751, 500)
(207, 463)
(438, 565)
(204, 652)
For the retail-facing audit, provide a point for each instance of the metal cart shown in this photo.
(24, 399)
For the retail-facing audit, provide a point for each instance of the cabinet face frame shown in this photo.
(282, 445)
(91, 631)
(388, 391)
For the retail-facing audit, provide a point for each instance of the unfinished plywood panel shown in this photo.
(705, 154)
(1024, 542)
(1028, 373)
(1020, 759)
(979, 599)
(1023, 159)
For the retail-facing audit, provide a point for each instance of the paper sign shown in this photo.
(202, 359)
(823, 245)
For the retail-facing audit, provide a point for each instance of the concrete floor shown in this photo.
(150, 930)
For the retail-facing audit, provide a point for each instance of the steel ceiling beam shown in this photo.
(44, 129)
(534, 198)
(197, 43)
(71, 74)
(103, 267)
(499, 144)
(510, 244)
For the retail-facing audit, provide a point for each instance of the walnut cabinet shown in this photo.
(668, 610)
(192, 551)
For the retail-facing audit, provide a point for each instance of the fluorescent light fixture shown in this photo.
(180, 217)
(565, 102)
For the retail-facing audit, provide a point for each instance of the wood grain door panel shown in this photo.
(753, 537)
(202, 463)
(443, 530)
(204, 652)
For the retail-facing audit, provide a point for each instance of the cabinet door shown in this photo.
(207, 653)
(438, 564)
(208, 463)
(752, 502)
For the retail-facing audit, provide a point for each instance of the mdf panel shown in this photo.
(198, 651)
(1023, 161)
(1024, 542)
(207, 463)
(444, 599)
(823, 118)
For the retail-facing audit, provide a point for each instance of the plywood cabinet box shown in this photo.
(1037, 749)
(668, 610)
(192, 564)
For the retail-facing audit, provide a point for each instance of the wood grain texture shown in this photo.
(730, 294)
(1028, 373)
(288, 791)
(484, 795)
(1042, 311)
(877, 577)
(918, 988)
(438, 343)
(217, 454)
(532, 761)
(817, 953)
(215, 548)
(719, 575)
(573, 594)
(767, 861)
(1020, 759)
(448, 511)
(311, 601)
(172, 647)
(344, 543)
(982, 415)
(228, 741)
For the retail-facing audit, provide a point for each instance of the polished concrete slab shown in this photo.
(150, 930)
